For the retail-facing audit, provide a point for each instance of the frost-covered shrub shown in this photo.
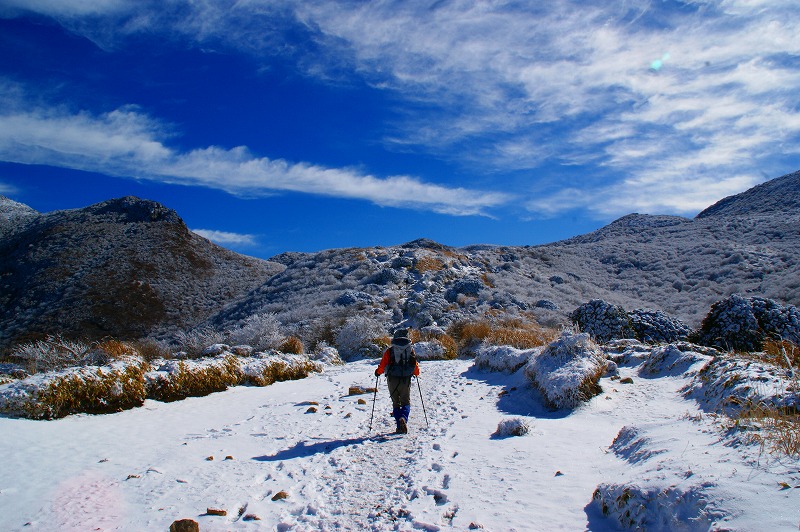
(656, 327)
(352, 297)
(603, 321)
(568, 370)
(465, 287)
(357, 337)
(670, 360)
(264, 369)
(512, 427)
(635, 507)
(172, 380)
(87, 389)
(261, 331)
(502, 358)
(193, 342)
(57, 352)
(743, 324)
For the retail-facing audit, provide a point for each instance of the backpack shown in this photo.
(402, 359)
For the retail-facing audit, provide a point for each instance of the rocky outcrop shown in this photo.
(743, 324)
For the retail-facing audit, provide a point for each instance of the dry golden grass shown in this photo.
(97, 390)
(779, 429)
(292, 345)
(782, 353)
(150, 350)
(516, 332)
(195, 380)
(116, 349)
(429, 264)
(275, 369)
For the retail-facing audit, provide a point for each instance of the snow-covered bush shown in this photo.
(730, 384)
(502, 357)
(357, 337)
(603, 321)
(656, 327)
(465, 287)
(429, 351)
(436, 348)
(671, 360)
(633, 507)
(87, 389)
(264, 369)
(512, 427)
(743, 324)
(326, 354)
(568, 370)
(172, 380)
(261, 331)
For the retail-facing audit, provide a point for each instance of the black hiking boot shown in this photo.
(402, 426)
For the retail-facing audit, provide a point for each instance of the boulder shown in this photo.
(184, 525)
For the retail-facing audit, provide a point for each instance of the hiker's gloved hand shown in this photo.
(377, 374)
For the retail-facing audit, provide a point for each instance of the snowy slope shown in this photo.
(641, 443)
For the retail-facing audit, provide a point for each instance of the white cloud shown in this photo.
(8, 190)
(128, 144)
(68, 7)
(225, 238)
(507, 87)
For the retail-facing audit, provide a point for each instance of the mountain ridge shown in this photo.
(129, 267)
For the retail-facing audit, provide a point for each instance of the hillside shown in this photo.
(124, 267)
(131, 268)
(678, 265)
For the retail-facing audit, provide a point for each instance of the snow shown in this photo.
(643, 452)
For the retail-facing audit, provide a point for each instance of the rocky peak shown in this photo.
(131, 209)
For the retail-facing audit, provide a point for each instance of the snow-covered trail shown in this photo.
(235, 450)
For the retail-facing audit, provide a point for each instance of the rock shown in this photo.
(209, 458)
(251, 517)
(656, 327)
(184, 525)
(214, 350)
(360, 390)
(280, 496)
(626, 380)
(603, 321)
(216, 511)
(546, 304)
(362, 402)
(229, 457)
(311, 410)
(467, 287)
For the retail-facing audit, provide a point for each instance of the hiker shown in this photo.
(400, 363)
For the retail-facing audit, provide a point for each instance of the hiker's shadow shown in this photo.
(303, 449)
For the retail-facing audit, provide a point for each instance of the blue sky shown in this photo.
(276, 125)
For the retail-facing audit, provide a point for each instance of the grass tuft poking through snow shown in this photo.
(512, 427)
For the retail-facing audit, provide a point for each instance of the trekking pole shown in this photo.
(422, 402)
(374, 396)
